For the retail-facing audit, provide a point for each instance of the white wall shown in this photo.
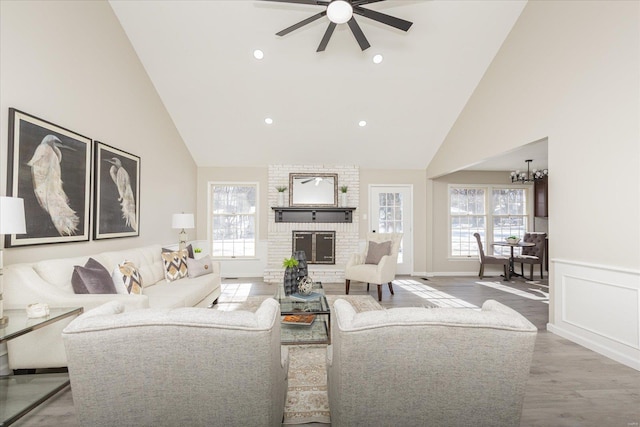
(70, 63)
(569, 71)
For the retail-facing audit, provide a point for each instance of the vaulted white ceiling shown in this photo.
(199, 56)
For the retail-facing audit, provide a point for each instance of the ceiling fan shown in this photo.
(341, 12)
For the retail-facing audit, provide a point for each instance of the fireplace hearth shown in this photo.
(319, 246)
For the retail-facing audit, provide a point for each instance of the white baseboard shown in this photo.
(598, 307)
(597, 347)
(452, 273)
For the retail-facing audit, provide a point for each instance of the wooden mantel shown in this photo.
(313, 214)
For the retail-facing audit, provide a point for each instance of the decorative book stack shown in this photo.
(299, 319)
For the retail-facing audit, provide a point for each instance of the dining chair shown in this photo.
(532, 255)
(491, 259)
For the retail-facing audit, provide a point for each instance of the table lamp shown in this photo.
(11, 222)
(182, 221)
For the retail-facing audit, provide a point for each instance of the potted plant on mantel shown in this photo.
(281, 189)
(343, 196)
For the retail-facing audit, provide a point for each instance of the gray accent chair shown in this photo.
(491, 259)
(428, 367)
(383, 272)
(532, 255)
(177, 367)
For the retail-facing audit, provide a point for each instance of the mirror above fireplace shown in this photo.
(313, 189)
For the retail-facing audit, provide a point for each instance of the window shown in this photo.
(390, 217)
(233, 219)
(468, 215)
(509, 215)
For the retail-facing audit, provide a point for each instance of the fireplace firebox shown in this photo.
(319, 246)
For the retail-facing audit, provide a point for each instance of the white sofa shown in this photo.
(417, 366)
(49, 282)
(177, 367)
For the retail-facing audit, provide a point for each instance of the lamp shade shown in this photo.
(12, 216)
(182, 220)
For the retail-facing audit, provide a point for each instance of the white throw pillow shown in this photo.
(199, 267)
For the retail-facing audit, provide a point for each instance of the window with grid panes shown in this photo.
(467, 215)
(390, 216)
(507, 216)
(233, 214)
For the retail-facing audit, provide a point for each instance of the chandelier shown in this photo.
(528, 176)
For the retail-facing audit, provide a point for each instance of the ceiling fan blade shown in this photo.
(398, 23)
(301, 23)
(308, 180)
(312, 2)
(359, 35)
(327, 36)
(355, 3)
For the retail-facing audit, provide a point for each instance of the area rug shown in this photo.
(359, 302)
(307, 398)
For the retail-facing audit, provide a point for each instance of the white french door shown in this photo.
(390, 208)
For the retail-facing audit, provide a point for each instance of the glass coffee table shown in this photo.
(318, 332)
(22, 393)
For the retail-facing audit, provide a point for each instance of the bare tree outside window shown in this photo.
(390, 216)
(233, 214)
(468, 214)
(509, 215)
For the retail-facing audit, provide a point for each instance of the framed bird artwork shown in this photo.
(117, 193)
(50, 168)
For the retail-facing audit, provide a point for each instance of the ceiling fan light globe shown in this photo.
(339, 11)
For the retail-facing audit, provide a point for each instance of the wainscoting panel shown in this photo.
(599, 308)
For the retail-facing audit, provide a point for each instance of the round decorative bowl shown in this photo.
(305, 286)
(512, 240)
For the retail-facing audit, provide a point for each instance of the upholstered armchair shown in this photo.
(177, 367)
(491, 259)
(532, 255)
(377, 264)
(415, 366)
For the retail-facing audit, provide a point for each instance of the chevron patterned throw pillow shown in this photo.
(126, 277)
(175, 265)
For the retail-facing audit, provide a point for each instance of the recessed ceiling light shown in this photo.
(268, 120)
(377, 59)
(362, 123)
(258, 54)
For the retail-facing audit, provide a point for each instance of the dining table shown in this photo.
(520, 244)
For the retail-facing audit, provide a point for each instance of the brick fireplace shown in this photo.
(280, 234)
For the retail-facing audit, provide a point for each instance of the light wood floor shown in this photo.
(568, 386)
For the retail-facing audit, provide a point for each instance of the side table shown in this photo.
(22, 393)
